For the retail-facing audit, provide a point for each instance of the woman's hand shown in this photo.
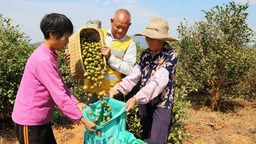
(130, 104)
(81, 106)
(89, 125)
(109, 94)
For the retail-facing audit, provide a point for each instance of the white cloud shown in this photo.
(251, 2)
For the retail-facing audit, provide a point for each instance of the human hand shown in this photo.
(105, 51)
(109, 94)
(106, 94)
(81, 106)
(67, 55)
(89, 125)
(130, 104)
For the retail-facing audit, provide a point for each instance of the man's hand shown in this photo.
(130, 104)
(105, 51)
(81, 106)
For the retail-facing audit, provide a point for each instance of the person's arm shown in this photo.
(89, 125)
(127, 82)
(154, 87)
(125, 65)
(50, 77)
(159, 81)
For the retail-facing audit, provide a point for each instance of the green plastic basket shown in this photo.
(112, 131)
(105, 130)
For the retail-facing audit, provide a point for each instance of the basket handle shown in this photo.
(96, 22)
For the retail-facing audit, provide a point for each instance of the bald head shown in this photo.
(120, 23)
(123, 14)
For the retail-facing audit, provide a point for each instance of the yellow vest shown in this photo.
(112, 77)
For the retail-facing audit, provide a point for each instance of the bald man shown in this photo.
(119, 51)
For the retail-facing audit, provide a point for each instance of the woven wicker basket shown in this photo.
(74, 47)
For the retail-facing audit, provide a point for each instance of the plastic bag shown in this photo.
(110, 118)
(125, 137)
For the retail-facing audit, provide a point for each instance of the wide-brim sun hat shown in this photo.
(157, 29)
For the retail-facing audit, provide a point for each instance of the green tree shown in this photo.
(213, 53)
(14, 50)
(247, 84)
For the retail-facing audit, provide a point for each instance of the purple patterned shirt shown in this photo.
(156, 76)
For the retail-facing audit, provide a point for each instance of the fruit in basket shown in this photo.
(93, 62)
(96, 119)
(90, 94)
(109, 109)
(108, 118)
(101, 114)
(85, 87)
(90, 112)
(101, 93)
(102, 102)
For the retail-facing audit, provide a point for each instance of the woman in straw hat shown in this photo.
(155, 71)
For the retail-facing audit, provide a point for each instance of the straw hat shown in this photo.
(157, 29)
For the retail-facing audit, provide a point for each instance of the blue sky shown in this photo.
(28, 13)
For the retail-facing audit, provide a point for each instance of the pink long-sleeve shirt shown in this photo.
(149, 92)
(41, 89)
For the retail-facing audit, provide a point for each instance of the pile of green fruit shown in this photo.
(94, 63)
(101, 115)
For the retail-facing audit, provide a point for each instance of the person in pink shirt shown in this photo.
(154, 72)
(42, 87)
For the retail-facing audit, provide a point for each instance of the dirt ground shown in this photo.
(232, 127)
(236, 126)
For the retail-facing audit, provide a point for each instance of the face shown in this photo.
(119, 27)
(155, 44)
(59, 44)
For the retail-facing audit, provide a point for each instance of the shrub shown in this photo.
(213, 53)
(15, 50)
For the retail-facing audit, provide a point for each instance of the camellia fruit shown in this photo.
(93, 62)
